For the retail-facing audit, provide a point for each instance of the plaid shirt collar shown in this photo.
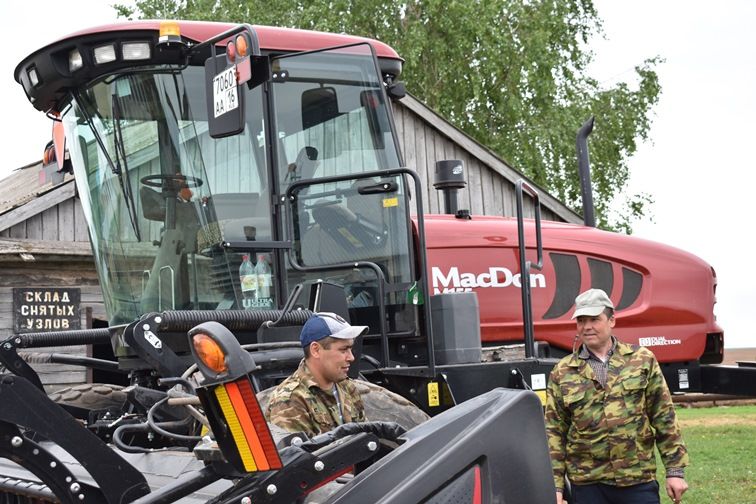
(586, 354)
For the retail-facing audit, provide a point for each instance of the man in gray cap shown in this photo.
(607, 406)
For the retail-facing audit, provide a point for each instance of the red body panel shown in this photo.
(671, 313)
(270, 38)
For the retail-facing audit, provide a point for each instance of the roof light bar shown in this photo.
(136, 51)
(104, 54)
(33, 77)
(75, 61)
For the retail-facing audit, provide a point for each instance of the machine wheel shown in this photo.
(381, 405)
(90, 396)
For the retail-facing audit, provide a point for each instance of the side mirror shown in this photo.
(318, 106)
(396, 91)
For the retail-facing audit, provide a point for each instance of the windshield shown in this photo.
(162, 196)
(180, 220)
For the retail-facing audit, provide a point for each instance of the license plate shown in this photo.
(224, 92)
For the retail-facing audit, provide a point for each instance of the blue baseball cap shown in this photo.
(324, 324)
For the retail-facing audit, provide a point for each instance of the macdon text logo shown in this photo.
(496, 276)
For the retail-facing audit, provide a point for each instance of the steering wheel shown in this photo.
(171, 182)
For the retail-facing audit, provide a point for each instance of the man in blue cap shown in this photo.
(319, 396)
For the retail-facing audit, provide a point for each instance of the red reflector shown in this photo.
(477, 497)
(243, 71)
(231, 52)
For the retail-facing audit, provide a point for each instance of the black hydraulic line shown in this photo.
(142, 428)
(157, 427)
(234, 320)
(584, 167)
(72, 360)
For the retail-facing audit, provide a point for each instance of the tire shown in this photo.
(90, 396)
(381, 405)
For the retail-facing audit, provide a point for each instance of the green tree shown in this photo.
(511, 74)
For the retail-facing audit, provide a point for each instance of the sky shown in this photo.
(697, 166)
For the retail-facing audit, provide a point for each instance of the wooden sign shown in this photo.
(40, 309)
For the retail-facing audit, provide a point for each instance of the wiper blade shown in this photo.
(114, 167)
(120, 152)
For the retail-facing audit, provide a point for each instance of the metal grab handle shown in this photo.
(525, 265)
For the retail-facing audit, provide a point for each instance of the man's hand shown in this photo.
(559, 499)
(676, 487)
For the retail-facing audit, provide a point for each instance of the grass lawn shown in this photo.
(722, 446)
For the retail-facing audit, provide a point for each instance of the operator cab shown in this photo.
(301, 181)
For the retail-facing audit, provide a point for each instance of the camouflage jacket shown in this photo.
(298, 404)
(607, 435)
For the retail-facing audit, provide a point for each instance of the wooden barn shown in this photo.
(47, 275)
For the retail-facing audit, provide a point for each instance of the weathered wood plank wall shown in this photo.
(62, 273)
(63, 222)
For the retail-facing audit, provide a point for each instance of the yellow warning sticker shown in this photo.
(390, 202)
(433, 397)
(541, 395)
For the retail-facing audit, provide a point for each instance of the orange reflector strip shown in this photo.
(236, 429)
(253, 441)
(261, 425)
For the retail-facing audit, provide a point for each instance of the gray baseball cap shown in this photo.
(591, 303)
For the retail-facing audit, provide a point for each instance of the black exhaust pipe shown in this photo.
(584, 167)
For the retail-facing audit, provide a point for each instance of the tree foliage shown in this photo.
(513, 74)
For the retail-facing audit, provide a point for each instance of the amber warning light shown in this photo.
(210, 353)
(170, 33)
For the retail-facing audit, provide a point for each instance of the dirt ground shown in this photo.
(733, 355)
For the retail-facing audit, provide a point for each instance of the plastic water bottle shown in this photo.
(264, 281)
(248, 280)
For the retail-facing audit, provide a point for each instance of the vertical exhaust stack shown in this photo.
(584, 166)
(449, 177)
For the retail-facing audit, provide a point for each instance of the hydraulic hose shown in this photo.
(62, 338)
